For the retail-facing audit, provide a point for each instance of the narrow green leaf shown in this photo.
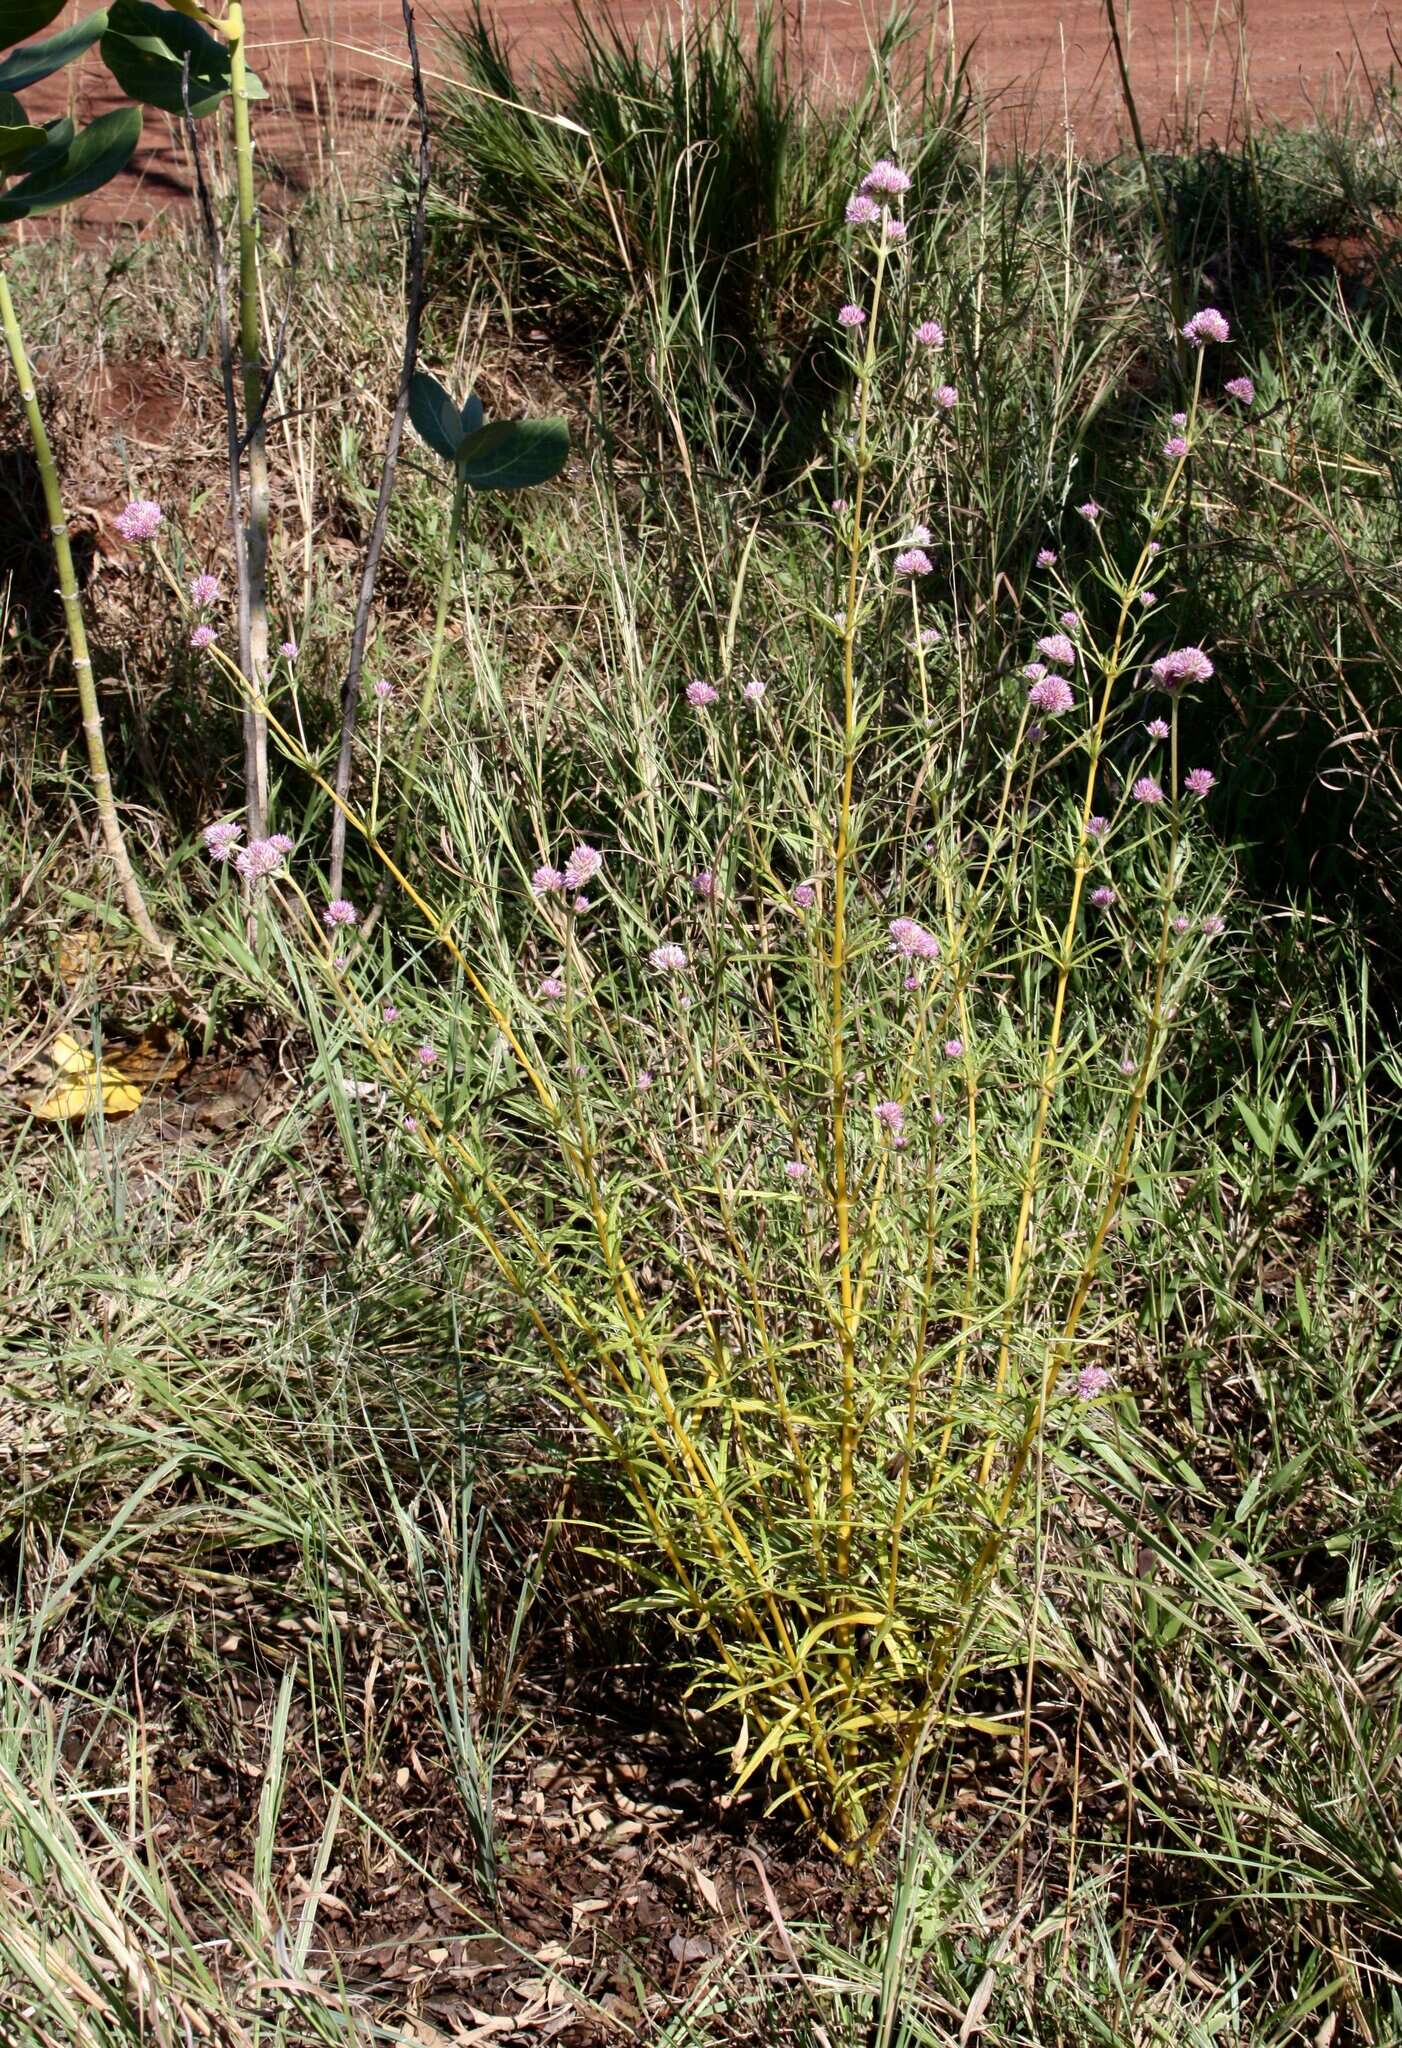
(21, 18)
(144, 48)
(435, 416)
(37, 60)
(509, 455)
(96, 154)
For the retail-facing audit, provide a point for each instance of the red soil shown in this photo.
(334, 69)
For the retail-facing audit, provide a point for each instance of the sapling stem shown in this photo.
(429, 695)
(77, 634)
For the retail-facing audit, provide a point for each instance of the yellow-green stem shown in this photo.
(254, 655)
(77, 633)
(842, 1194)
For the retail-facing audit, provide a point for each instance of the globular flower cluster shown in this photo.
(892, 1117)
(886, 180)
(1052, 694)
(851, 317)
(805, 895)
(140, 519)
(930, 334)
(1183, 665)
(221, 838)
(204, 590)
(668, 959)
(1208, 325)
(1199, 781)
(1057, 648)
(1147, 791)
(339, 913)
(1241, 389)
(913, 562)
(202, 638)
(700, 695)
(912, 941)
(1091, 1381)
(263, 856)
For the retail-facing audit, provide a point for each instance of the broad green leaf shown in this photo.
(18, 135)
(435, 416)
(58, 137)
(472, 415)
(36, 60)
(91, 158)
(21, 18)
(509, 455)
(144, 47)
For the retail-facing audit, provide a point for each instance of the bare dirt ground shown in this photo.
(334, 70)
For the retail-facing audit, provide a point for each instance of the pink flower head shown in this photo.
(1152, 548)
(1208, 325)
(1175, 447)
(283, 842)
(1046, 558)
(887, 179)
(390, 1013)
(704, 883)
(918, 537)
(893, 1117)
(895, 229)
(947, 397)
(427, 1054)
(260, 857)
(805, 895)
(954, 1048)
(1241, 389)
(411, 1124)
(701, 695)
(1183, 665)
(1182, 924)
(140, 519)
(1097, 826)
(930, 334)
(929, 636)
(1178, 419)
(1091, 1381)
(1157, 728)
(582, 866)
(912, 941)
(204, 590)
(913, 562)
(1052, 694)
(1103, 897)
(550, 990)
(1147, 791)
(668, 959)
(1034, 671)
(1213, 926)
(1148, 597)
(851, 316)
(1090, 510)
(1199, 781)
(383, 688)
(754, 691)
(202, 637)
(1057, 648)
(221, 838)
(1071, 621)
(795, 1170)
(644, 1080)
(1128, 1066)
(546, 881)
(862, 211)
(340, 912)
(580, 904)
(288, 650)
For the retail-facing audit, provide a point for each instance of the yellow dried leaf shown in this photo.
(83, 1086)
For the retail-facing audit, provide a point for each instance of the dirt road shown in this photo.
(333, 68)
